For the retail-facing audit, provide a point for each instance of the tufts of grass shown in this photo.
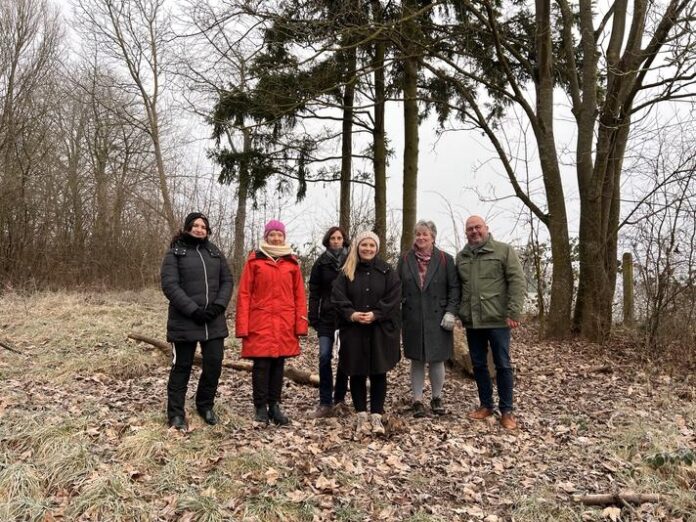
(41, 435)
(172, 477)
(255, 463)
(20, 480)
(542, 507)
(349, 513)
(69, 467)
(26, 509)
(146, 446)
(421, 516)
(107, 496)
(118, 363)
(659, 463)
(265, 507)
(204, 507)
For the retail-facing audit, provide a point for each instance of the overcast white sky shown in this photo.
(454, 169)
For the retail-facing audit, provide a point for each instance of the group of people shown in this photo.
(359, 306)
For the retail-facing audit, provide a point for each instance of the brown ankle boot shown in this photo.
(480, 413)
(507, 421)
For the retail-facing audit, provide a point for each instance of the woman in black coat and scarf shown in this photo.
(324, 319)
(430, 298)
(367, 294)
(198, 284)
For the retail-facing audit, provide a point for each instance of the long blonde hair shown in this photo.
(353, 258)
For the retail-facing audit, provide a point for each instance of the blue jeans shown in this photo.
(326, 386)
(499, 340)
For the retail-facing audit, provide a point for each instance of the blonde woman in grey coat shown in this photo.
(430, 298)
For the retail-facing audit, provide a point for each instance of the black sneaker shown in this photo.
(418, 409)
(178, 423)
(437, 407)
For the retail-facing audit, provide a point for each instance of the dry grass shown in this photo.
(83, 436)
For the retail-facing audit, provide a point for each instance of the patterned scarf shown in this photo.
(422, 260)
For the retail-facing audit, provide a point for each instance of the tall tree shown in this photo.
(497, 49)
(30, 36)
(411, 52)
(135, 34)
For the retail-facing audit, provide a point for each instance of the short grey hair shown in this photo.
(429, 225)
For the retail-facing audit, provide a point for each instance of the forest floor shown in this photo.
(83, 433)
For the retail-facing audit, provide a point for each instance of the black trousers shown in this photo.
(180, 373)
(267, 380)
(378, 392)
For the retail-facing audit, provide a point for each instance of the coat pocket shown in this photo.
(492, 308)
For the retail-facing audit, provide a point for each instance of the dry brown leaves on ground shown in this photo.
(83, 434)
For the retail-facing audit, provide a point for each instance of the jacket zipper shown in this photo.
(205, 275)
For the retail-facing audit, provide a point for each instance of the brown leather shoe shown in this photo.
(480, 413)
(508, 422)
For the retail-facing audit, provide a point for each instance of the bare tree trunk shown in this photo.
(379, 146)
(347, 139)
(238, 255)
(410, 158)
(562, 284)
(627, 272)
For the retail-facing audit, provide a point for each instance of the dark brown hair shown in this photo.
(330, 232)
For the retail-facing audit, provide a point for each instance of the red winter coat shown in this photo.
(271, 307)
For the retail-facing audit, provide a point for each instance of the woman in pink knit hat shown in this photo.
(271, 316)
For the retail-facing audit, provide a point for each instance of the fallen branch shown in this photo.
(292, 373)
(9, 347)
(621, 498)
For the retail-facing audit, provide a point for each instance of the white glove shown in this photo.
(448, 321)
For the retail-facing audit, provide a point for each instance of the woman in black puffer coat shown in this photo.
(198, 284)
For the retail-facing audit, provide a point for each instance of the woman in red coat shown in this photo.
(271, 308)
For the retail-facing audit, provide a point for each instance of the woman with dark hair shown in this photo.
(367, 294)
(324, 319)
(198, 284)
(271, 308)
(430, 289)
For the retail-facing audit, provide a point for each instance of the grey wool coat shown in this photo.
(195, 275)
(422, 310)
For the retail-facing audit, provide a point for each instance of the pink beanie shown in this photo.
(272, 225)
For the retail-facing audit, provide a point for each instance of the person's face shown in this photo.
(275, 237)
(367, 249)
(424, 239)
(476, 231)
(199, 229)
(336, 240)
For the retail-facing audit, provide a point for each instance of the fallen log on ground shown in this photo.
(292, 373)
(621, 498)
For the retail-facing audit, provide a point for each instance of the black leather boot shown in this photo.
(276, 415)
(261, 415)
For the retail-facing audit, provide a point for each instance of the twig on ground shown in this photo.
(10, 347)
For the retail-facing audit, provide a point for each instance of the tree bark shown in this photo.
(379, 146)
(410, 158)
(347, 139)
(558, 325)
(238, 253)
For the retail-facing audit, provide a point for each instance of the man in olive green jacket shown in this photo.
(493, 290)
